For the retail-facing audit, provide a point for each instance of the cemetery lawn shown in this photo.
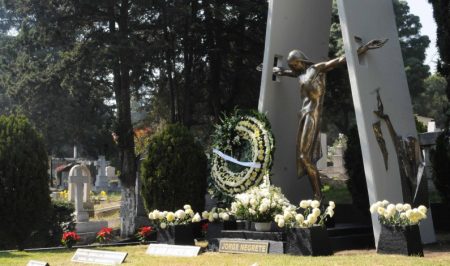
(137, 256)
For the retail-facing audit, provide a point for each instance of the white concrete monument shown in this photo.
(87, 186)
(384, 70)
(101, 181)
(304, 24)
(79, 178)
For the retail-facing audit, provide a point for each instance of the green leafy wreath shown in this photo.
(243, 148)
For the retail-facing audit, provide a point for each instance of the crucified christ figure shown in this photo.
(311, 78)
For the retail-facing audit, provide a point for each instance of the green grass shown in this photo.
(137, 256)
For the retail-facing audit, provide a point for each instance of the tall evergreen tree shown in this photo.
(441, 13)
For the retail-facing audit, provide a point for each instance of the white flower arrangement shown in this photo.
(217, 215)
(400, 214)
(163, 219)
(307, 215)
(259, 204)
(258, 134)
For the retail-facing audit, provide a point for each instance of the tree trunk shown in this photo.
(127, 158)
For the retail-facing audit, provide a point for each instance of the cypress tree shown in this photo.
(24, 192)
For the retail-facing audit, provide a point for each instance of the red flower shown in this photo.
(104, 235)
(144, 233)
(69, 238)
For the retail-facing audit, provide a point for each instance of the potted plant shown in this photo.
(304, 228)
(69, 239)
(175, 227)
(104, 235)
(399, 228)
(260, 205)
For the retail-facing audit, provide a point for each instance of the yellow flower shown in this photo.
(103, 193)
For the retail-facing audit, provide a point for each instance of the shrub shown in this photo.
(24, 193)
(174, 171)
(60, 220)
(356, 182)
(440, 159)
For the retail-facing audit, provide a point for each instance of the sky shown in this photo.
(424, 10)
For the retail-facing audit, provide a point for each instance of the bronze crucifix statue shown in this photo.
(311, 78)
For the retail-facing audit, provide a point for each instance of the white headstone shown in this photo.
(384, 69)
(291, 24)
(78, 178)
(87, 187)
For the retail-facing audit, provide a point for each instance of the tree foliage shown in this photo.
(432, 102)
(441, 13)
(24, 193)
(440, 159)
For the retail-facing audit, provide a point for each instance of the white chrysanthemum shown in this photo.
(287, 215)
(380, 210)
(190, 212)
(205, 215)
(390, 207)
(163, 225)
(151, 216)
(374, 208)
(409, 213)
(315, 204)
(187, 207)
(225, 217)
(406, 207)
(330, 212)
(211, 217)
(304, 204)
(316, 212)
(196, 218)
(403, 215)
(422, 209)
(299, 218)
(385, 202)
(252, 211)
(311, 219)
(278, 217)
(387, 214)
(399, 207)
(170, 216)
(180, 214)
(263, 208)
(281, 223)
(332, 204)
(215, 215)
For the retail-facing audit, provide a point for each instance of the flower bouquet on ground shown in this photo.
(69, 239)
(304, 227)
(104, 235)
(175, 227)
(260, 205)
(145, 234)
(399, 227)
